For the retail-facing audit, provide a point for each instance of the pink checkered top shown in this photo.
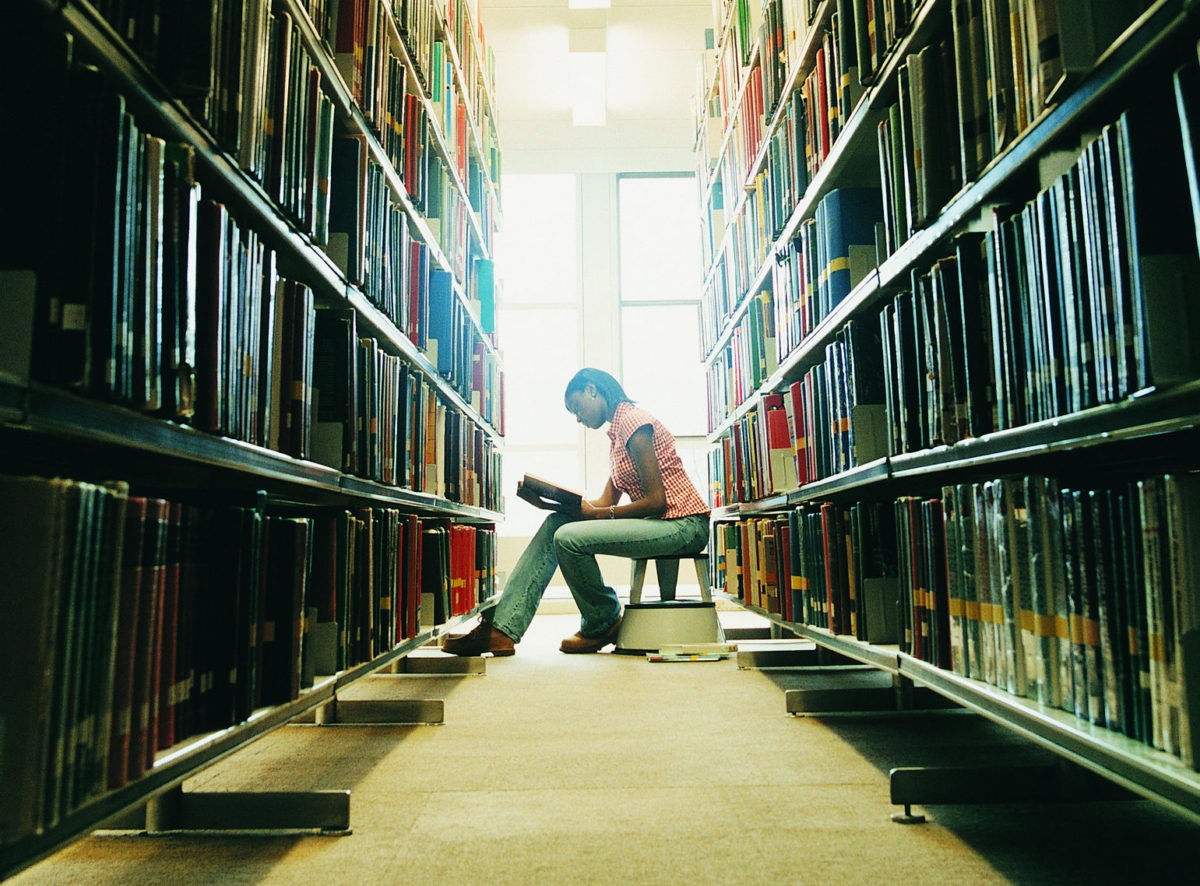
(682, 498)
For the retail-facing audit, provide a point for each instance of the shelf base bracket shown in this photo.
(439, 665)
(384, 712)
(1036, 783)
(901, 697)
(840, 701)
(756, 655)
(326, 812)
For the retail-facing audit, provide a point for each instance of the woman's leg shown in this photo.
(578, 543)
(527, 582)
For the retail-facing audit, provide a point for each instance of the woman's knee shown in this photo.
(572, 538)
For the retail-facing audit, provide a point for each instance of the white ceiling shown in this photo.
(653, 52)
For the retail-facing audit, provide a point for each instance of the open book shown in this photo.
(548, 496)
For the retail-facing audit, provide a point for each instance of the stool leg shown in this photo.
(636, 579)
(701, 565)
(667, 571)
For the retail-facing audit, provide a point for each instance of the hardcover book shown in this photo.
(548, 496)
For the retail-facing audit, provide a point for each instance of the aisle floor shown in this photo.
(607, 768)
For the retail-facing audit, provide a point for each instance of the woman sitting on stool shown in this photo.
(664, 515)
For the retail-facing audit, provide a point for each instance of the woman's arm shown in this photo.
(597, 508)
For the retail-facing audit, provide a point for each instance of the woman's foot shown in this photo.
(484, 638)
(580, 644)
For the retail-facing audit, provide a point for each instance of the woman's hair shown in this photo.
(607, 386)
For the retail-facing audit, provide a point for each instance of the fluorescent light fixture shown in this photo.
(588, 4)
(588, 95)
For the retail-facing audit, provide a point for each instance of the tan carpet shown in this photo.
(606, 768)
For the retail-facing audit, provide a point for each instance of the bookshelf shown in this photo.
(248, 321)
(954, 465)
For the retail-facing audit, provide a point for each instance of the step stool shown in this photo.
(648, 627)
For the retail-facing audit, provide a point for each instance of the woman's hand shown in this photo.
(588, 510)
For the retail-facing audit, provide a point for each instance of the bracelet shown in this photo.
(612, 512)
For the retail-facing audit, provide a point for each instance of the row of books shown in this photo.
(297, 131)
(830, 254)
(449, 109)
(461, 353)
(222, 56)
(1074, 300)
(1071, 301)
(812, 115)
(261, 95)
(136, 622)
(371, 55)
(161, 299)
(834, 251)
(1081, 598)
(878, 27)
(158, 298)
(919, 160)
(746, 361)
(371, 60)
(243, 71)
(921, 166)
(741, 251)
(377, 417)
(374, 243)
(963, 101)
(1015, 59)
(835, 567)
(829, 421)
(831, 91)
(463, 29)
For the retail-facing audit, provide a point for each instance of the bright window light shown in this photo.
(588, 93)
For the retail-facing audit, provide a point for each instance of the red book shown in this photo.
(798, 413)
(783, 568)
(781, 450)
(348, 46)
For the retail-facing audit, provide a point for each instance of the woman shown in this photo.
(664, 515)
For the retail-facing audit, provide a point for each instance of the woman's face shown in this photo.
(589, 407)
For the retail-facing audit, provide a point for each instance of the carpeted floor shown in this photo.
(607, 768)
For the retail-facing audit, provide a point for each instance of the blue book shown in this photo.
(442, 316)
(846, 220)
(485, 291)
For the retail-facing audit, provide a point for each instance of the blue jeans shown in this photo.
(572, 545)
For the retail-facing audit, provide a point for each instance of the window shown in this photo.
(660, 267)
(537, 323)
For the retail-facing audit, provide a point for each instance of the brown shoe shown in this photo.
(579, 643)
(483, 638)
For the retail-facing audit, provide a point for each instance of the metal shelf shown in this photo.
(58, 414)
(1133, 764)
(1149, 772)
(194, 754)
(1174, 411)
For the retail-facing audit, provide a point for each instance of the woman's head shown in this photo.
(592, 396)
